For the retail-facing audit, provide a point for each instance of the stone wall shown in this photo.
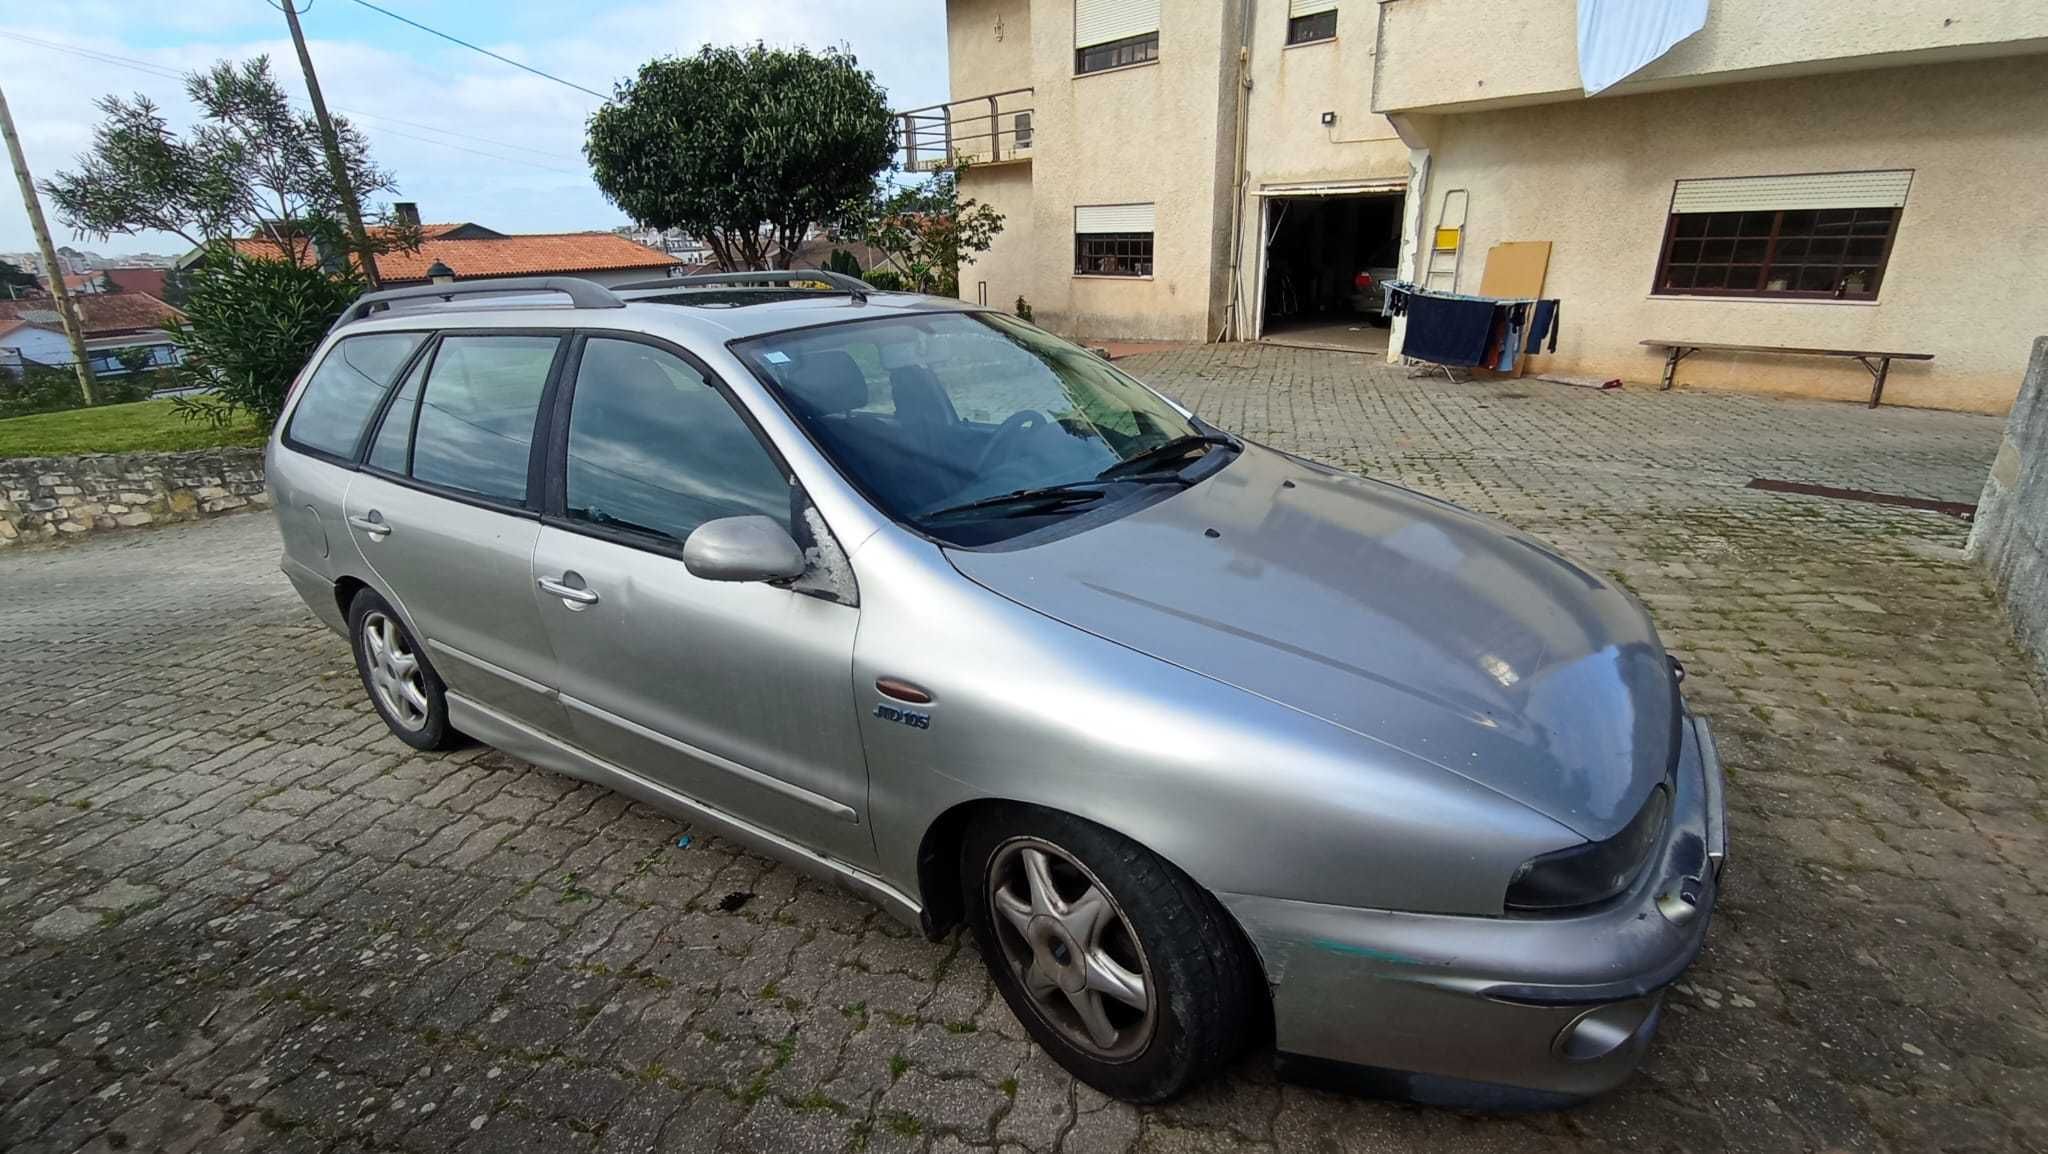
(2011, 535)
(52, 498)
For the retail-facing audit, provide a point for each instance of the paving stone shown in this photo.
(235, 914)
(120, 895)
(66, 924)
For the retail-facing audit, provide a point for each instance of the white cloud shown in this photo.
(396, 80)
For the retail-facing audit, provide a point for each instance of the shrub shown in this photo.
(1023, 308)
(883, 280)
(43, 389)
(38, 389)
(842, 261)
(253, 322)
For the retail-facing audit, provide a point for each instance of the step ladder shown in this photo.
(1447, 244)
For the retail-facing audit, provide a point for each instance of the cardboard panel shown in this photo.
(1515, 269)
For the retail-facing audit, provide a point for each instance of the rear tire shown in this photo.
(1129, 974)
(402, 684)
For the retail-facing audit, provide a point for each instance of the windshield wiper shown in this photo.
(1163, 452)
(1023, 500)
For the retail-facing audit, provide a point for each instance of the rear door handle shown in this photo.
(374, 525)
(569, 593)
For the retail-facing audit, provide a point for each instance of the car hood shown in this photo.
(1404, 619)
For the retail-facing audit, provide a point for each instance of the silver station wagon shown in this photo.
(1207, 744)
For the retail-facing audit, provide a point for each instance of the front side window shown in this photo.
(931, 414)
(1117, 53)
(1112, 254)
(654, 449)
(1314, 26)
(344, 391)
(1813, 235)
(1835, 253)
(474, 429)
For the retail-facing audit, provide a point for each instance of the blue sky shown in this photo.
(468, 137)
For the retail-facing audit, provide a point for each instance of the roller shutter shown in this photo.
(1101, 21)
(1094, 218)
(1297, 8)
(1803, 191)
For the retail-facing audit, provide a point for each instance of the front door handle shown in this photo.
(576, 597)
(373, 524)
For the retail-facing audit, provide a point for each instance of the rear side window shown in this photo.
(345, 389)
(476, 415)
(655, 449)
(391, 450)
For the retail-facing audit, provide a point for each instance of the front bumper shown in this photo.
(1564, 1006)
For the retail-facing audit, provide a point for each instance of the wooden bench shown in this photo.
(1879, 364)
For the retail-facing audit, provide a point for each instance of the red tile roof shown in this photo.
(530, 254)
(100, 314)
(137, 280)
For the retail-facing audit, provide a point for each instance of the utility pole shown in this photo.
(52, 271)
(335, 166)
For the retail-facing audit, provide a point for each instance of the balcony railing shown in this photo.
(992, 129)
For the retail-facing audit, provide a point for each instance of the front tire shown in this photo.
(402, 684)
(1131, 976)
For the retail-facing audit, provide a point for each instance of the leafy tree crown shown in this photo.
(742, 147)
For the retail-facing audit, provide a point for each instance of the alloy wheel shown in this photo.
(394, 671)
(1073, 949)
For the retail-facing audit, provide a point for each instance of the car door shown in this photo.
(444, 512)
(736, 694)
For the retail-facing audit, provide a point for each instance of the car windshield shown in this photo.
(958, 422)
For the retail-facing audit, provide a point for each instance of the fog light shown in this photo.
(1606, 1030)
(1680, 904)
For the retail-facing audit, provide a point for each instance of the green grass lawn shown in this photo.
(140, 427)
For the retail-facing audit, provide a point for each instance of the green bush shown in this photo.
(123, 389)
(883, 280)
(42, 389)
(842, 261)
(253, 322)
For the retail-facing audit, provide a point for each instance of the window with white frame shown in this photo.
(1113, 240)
(1114, 34)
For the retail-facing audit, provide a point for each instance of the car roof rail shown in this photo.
(763, 278)
(582, 294)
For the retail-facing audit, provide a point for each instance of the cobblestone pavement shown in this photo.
(235, 915)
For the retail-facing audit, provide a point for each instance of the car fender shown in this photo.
(1244, 794)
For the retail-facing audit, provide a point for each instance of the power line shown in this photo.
(459, 148)
(485, 51)
(143, 66)
(102, 57)
(458, 135)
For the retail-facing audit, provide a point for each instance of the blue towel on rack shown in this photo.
(1545, 320)
(1448, 330)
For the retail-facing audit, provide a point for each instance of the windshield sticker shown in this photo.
(774, 357)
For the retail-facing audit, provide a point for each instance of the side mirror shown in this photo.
(752, 548)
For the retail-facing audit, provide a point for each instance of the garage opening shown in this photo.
(1326, 257)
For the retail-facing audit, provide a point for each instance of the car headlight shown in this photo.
(1591, 873)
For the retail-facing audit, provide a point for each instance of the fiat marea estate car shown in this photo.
(1203, 742)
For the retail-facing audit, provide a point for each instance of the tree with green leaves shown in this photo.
(743, 147)
(252, 167)
(251, 324)
(927, 229)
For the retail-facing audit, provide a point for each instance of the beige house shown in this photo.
(1800, 173)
